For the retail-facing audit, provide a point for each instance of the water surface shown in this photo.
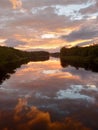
(44, 95)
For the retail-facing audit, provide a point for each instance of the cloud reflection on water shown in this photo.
(30, 118)
(48, 93)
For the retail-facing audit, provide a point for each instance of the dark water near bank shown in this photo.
(45, 96)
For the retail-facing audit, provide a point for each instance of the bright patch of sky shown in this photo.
(2, 40)
(92, 16)
(48, 36)
(51, 71)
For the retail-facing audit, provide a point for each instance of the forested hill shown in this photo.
(86, 57)
(11, 58)
(8, 54)
(88, 53)
(80, 51)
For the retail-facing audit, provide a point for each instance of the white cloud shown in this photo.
(51, 19)
(51, 71)
(72, 10)
(48, 36)
(74, 92)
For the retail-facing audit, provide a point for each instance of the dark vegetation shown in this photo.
(11, 58)
(56, 54)
(85, 57)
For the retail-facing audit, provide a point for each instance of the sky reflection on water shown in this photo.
(55, 92)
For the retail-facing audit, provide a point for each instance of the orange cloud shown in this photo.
(16, 3)
(30, 118)
(42, 44)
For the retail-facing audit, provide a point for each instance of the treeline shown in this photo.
(11, 59)
(8, 54)
(86, 57)
(55, 54)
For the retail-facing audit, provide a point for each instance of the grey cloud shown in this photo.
(45, 20)
(82, 34)
(90, 10)
(14, 42)
(85, 43)
(88, 43)
(39, 3)
(5, 4)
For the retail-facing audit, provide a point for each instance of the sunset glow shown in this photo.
(39, 25)
(48, 64)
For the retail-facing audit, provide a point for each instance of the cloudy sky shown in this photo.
(48, 24)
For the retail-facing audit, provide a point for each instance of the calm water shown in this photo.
(46, 96)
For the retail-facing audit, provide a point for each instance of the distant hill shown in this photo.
(56, 54)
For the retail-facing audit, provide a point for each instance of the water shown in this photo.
(44, 95)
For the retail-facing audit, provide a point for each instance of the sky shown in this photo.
(48, 24)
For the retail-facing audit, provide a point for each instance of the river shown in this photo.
(46, 96)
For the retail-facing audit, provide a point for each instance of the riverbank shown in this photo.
(85, 57)
(11, 58)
